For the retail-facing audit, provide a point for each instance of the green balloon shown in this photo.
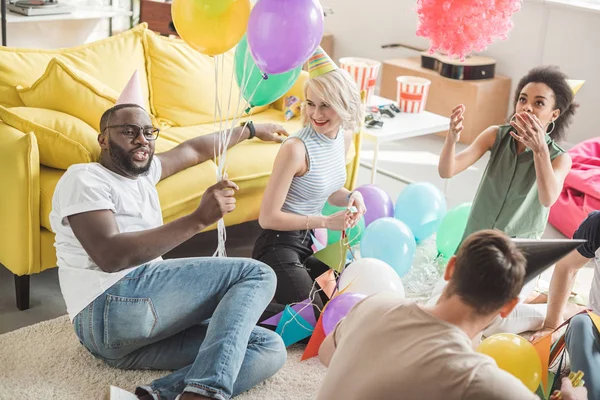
(354, 234)
(451, 230)
(259, 91)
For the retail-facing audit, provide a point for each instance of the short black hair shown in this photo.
(563, 95)
(106, 115)
(489, 271)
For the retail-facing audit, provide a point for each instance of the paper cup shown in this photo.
(364, 71)
(412, 93)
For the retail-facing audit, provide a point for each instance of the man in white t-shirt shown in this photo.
(390, 348)
(582, 338)
(131, 308)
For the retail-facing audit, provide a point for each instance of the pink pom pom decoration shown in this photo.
(459, 27)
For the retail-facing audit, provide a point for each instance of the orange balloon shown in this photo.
(211, 27)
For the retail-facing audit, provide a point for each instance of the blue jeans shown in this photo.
(194, 315)
(583, 344)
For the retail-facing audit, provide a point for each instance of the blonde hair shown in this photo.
(340, 91)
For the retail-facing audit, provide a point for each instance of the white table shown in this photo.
(402, 126)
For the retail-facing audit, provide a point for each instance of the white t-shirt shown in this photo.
(91, 187)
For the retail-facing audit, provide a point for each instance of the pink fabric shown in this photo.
(581, 191)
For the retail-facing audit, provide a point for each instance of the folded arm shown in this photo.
(290, 161)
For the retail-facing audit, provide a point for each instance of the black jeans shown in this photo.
(290, 255)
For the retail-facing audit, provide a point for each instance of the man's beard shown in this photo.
(124, 160)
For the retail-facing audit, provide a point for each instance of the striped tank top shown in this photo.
(326, 173)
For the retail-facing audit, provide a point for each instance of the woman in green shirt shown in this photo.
(526, 171)
(524, 175)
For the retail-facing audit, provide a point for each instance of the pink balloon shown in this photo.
(338, 308)
(283, 34)
(321, 235)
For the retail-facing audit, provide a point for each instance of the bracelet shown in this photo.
(250, 127)
(307, 220)
(349, 195)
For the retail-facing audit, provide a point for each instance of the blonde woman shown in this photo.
(309, 170)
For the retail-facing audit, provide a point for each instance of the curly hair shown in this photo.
(563, 95)
(341, 92)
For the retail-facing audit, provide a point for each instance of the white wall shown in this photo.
(543, 34)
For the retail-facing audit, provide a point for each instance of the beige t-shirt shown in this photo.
(388, 348)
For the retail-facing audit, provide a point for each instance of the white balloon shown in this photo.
(369, 276)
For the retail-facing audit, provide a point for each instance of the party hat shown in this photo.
(543, 253)
(132, 94)
(575, 85)
(320, 63)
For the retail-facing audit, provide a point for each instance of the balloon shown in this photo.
(389, 240)
(211, 26)
(369, 276)
(338, 308)
(379, 204)
(257, 90)
(353, 235)
(421, 206)
(283, 34)
(321, 235)
(516, 356)
(451, 230)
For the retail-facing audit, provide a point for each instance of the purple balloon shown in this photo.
(379, 204)
(283, 34)
(338, 308)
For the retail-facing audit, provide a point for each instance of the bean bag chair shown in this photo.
(581, 191)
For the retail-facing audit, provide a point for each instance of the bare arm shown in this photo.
(550, 175)
(290, 161)
(199, 149)
(339, 198)
(450, 163)
(561, 284)
(113, 251)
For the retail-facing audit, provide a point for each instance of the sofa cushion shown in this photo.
(182, 83)
(65, 89)
(111, 61)
(62, 139)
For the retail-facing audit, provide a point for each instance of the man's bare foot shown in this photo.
(193, 396)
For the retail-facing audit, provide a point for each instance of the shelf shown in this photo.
(81, 13)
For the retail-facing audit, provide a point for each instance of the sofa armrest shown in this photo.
(296, 90)
(20, 201)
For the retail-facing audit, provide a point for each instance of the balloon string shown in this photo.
(221, 233)
(311, 303)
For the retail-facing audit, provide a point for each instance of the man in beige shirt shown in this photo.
(389, 348)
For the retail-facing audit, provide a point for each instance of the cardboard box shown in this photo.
(486, 100)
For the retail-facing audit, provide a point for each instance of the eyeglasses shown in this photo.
(132, 131)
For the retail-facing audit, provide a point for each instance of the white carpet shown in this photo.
(46, 361)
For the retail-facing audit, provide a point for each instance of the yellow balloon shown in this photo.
(516, 356)
(211, 26)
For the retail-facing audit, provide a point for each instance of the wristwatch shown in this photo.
(250, 126)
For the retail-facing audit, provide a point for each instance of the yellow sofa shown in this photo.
(50, 105)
